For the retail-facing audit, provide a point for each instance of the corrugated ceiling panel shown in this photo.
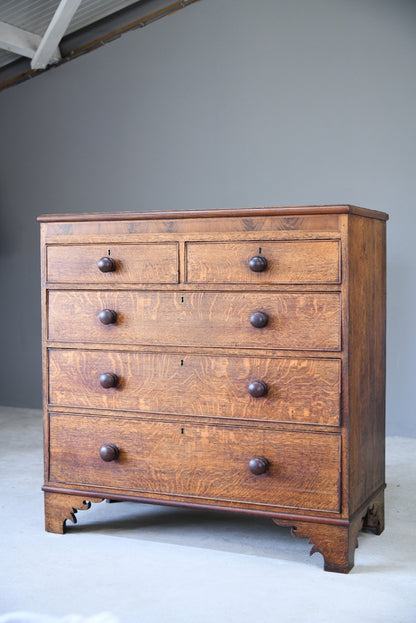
(92, 10)
(35, 15)
(7, 57)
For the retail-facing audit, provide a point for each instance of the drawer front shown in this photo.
(133, 263)
(203, 463)
(297, 390)
(295, 320)
(293, 262)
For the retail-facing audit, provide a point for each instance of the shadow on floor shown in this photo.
(215, 530)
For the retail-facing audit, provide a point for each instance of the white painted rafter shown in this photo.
(22, 42)
(54, 33)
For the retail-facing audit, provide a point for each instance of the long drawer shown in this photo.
(264, 262)
(285, 389)
(209, 319)
(204, 463)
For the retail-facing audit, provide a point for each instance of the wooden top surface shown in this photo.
(234, 212)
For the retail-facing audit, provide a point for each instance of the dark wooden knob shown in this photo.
(108, 379)
(258, 263)
(258, 389)
(258, 465)
(107, 316)
(109, 452)
(259, 319)
(106, 264)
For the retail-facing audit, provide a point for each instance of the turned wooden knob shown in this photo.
(258, 389)
(258, 465)
(259, 319)
(109, 452)
(107, 316)
(258, 264)
(108, 379)
(106, 264)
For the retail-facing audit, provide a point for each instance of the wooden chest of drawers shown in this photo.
(229, 360)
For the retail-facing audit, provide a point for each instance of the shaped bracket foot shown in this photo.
(61, 507)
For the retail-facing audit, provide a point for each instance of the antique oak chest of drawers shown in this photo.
(225, 359)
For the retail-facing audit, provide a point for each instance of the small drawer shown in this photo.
(250, 388)
(242, 466)
(118, 263)
(264, 262)
(295, 321)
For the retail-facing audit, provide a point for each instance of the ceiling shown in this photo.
(36, 35)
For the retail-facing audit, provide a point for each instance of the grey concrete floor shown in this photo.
(144, 563)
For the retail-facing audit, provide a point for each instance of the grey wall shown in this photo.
(225, 104)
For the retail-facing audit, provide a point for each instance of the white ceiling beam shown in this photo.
(54, 33)
(21, 42)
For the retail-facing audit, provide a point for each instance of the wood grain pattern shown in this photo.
(197, 227)
(299, 390)
(202, 462)
(62, 508)
(337, 544)
(181, 425)
(215, 213)
(367, 356)
(296, 321)
(287, 262)
(144, 263)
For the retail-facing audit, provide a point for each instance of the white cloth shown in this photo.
(31, 617)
